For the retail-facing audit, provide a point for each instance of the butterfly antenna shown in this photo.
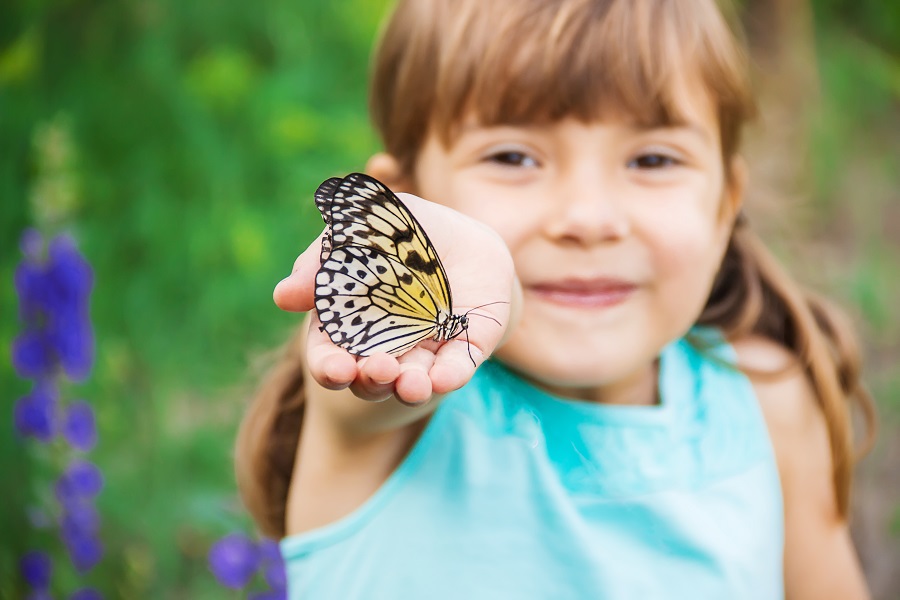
(482, 306)
(466, 314)
(469, 348)
(483, 316)
(488, 304)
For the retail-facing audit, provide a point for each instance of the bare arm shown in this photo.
(349, 446)
(819, 559)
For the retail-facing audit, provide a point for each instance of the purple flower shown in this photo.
(68, 277)
(79, 427)
(36, 568)
(275, 575)
(82, 479)
(53, 302)
(273, 564)
(69, 270)
(35, 413)
(80, 521)
(269, 550)
(56, 338)
(69, 332)
(80, 518)
(85, 550)
(39, 595)
(86, 594)
(32, 288)
(32, 354)
(233, 560)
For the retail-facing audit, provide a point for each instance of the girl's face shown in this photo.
(617, 232)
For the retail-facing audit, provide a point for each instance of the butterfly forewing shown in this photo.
(381, 286)
(365, 212)
(324, 194)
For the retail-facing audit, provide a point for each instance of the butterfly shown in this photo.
(381, 286)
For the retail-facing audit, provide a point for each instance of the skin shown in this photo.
(604, 239)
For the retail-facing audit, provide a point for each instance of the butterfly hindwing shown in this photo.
(381, 286)
(369, 302)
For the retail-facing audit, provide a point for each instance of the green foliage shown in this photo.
(877, 21)
(856, 153)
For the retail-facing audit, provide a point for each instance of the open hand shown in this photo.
(481, 274)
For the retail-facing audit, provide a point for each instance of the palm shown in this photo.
(481, 275)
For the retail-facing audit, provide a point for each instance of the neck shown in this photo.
(637, 389)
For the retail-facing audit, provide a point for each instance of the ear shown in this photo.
(385, 168)
(735, 186)
(732, 199)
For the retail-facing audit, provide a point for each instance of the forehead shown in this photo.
(688, 105)
(584, 69)
(525, 62)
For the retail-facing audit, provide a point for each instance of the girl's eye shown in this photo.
(512, 158)
(653, 161)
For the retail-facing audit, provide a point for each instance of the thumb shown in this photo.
(296, 292)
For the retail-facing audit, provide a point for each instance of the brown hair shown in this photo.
(526, 61)
(267, 439)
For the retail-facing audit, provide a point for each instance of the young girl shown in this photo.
(666, 414)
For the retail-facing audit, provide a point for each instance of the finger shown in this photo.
(488, 323)
(377, 374)
(296, 292)
(331, 366)
(454, 365)
(413, 386)
(458, 358)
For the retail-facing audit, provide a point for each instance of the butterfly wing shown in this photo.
(323, 195)
(370, 302)
(364, 212)
(381, 286)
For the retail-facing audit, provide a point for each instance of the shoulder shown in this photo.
(785, 394)
(795, 421)
(816, 535)
(794, 418)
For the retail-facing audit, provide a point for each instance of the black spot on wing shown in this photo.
(416, 263)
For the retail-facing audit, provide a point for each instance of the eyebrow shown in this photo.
(689, 126)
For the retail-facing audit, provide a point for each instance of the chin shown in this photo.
(575, 368)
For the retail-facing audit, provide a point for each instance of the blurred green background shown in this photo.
(180, 142)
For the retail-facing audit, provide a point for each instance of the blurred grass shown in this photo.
(192, 136)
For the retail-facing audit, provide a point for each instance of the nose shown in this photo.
(588, 209)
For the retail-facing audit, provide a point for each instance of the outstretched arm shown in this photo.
(480, 272)
(348, 447)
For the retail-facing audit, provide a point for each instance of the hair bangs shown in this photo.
(577, 60)
(539, 61)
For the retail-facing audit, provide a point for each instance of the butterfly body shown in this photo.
(381, 286)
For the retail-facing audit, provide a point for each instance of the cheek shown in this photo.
(687, 250)
(515, 219)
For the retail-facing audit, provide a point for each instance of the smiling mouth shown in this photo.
(594, 293)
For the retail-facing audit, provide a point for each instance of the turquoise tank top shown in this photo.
(513, 493)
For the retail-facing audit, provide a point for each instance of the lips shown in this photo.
(585, 293)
